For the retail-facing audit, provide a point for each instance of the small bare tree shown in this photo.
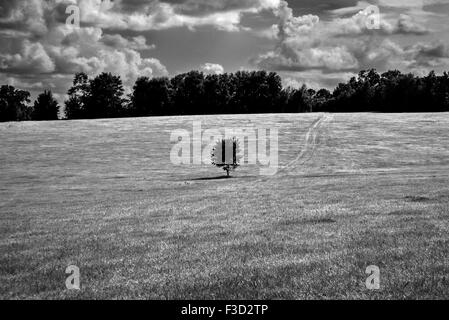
(225, 155)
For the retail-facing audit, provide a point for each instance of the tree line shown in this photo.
(15, 105)
(242, 92)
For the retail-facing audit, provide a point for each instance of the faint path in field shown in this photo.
(309, 147)
(310, 143)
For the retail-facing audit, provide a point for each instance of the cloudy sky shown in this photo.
(317, 42)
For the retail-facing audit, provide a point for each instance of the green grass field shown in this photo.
(354, 190)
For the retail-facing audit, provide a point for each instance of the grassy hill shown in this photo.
(353, 190)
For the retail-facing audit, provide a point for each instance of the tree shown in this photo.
(45, 107)
(101, 97)
(105, 98)
(14, 104)
(79, 94)
(188, 93)
(217, 93)
(296, 100)
(151, 97)
(321, 99)
(273, 95)
(226, 155)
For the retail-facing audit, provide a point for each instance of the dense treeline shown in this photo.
(391, 91)
(185, 94)
(194, 93)
(14, 105)
(245, 92)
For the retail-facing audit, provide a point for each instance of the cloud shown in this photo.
(360, 24)
(212, 68)
(37, 16)
(409, 3)
(290, 25)
(23, 16)
(320, 58)
(430, 50)
(39, 49)
(89, 50)
(159, 15)
(205, 7)
(299, 48)
(343, 45)
(269, 33)
(317, 41)
(406, 25)
(119, 42)
(345, 10)
(33, 58)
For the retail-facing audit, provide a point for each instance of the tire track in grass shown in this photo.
(307, 151)
(310, 143)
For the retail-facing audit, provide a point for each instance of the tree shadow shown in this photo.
(221, 178)
(213, 178)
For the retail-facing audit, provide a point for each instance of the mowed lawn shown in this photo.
(368, 189)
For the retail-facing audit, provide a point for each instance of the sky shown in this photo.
(314, 42)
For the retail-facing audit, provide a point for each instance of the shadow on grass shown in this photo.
(222, 178)
(417, 199)
(213, 178)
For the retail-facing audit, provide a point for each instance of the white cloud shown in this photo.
(339, 45)
(118, 41)
(155, 15)
(90, 51)
(212, 68)
(30, 53)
